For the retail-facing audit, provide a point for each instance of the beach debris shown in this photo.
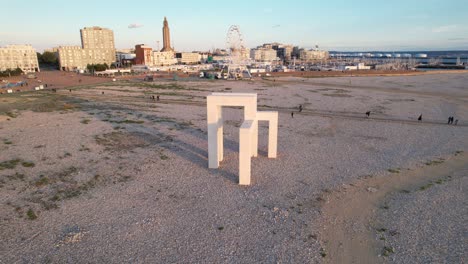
(387, 251)
(71, 235)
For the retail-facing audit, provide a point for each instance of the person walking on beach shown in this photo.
(456, 122)
(368, 113)
(292, 114)
(450, 119)
(300, 108)
(420, 117)
(157, 98)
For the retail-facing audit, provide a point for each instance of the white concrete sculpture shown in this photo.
(248, 136)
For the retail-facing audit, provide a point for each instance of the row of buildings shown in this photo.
(98, 47)
(286, 53)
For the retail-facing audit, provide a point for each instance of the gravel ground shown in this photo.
(429, 225)
(55, 79)
(123, 179)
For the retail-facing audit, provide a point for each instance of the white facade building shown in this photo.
(263, 54)
(188, 57)
(19, 56)
(310, 55)
(163, 58)
(97, 47)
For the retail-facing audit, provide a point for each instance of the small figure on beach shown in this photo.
(368, 113)
(420, 117)
(54, 90)
(153, 98)
(157, 98)
(69, 90)
(300, 108)
(292, 114)
(449, 120)
(456, 122)
(102, 92)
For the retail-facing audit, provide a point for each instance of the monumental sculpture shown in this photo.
(248, 136)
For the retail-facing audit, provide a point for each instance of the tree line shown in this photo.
(10, 72)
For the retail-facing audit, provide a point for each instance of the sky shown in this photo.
(344, 25)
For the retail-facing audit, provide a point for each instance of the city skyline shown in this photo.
(332, 25)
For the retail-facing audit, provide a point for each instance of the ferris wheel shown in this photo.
(234, 43)
(235, 46)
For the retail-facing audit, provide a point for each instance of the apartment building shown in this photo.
(263, 54)
(97, 47)
(19, 56)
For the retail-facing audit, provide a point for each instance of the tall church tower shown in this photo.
(166, 37)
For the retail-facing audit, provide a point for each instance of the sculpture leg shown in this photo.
(255, 139)
(220, 134)
(245, 138)
(273, 136)
(212, 120)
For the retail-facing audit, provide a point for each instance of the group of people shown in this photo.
(300, 110)
(155, 99)
(450, 120)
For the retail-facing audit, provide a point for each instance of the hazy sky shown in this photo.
(201, 25)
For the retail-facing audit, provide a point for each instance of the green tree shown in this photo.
(97, 67)
(10, 72)
(49, 57)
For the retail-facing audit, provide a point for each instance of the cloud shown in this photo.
(135, 25)
(276, 26)
(443, 29)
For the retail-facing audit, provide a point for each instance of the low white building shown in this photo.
(257, 70)
(188, 57)
(163, 58)
(359, 66)
(19, 56)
